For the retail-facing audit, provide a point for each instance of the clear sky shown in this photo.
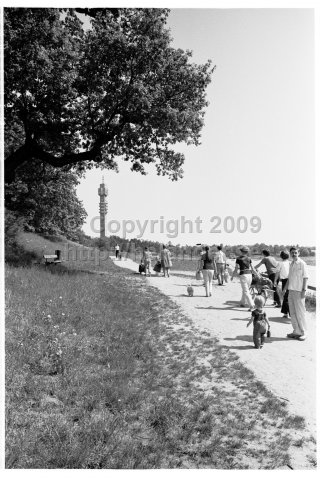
(257, 156)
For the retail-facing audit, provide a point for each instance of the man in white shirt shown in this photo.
(297, 287)
(221, 260)
(117, 250)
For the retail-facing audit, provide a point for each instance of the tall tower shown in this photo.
(103, 208)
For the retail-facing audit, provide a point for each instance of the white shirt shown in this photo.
(284, 269)
(220, 257)
(297, 272)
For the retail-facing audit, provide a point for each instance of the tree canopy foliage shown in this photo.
(44, 199)
(83, 94)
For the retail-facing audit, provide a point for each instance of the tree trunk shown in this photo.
(14, 161)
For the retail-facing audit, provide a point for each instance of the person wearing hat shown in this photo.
(245, 268)
(272, 267)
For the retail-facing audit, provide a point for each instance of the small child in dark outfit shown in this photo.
(260, 322)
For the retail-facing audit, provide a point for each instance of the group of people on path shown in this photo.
(290, 297)
(163, 262)
(212, 265)
(293, 276)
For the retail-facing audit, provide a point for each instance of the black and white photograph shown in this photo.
(159, 223)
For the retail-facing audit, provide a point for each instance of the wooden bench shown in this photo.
(53, 259)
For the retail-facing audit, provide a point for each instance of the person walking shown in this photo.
(146, 260)
(272, 267)
(117, 248)
(245, 268)
(200, 263)
(157, 266)
(207, 266)
(297, 287)
(221, 261)
(283, 277)
(260, 322)
(166, 262)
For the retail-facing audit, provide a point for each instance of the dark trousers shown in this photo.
(285, 303)
(259, 330)
(276, 297)
(117, 253)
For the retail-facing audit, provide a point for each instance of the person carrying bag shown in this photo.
(208, 267)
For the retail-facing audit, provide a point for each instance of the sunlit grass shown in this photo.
(105, 372)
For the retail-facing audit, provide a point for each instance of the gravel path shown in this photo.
(287, 367)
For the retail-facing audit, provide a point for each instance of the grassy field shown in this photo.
(105, 372)
(29, 248)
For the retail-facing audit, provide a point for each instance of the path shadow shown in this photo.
(185, 295)
(248, 338)
(286, 321)
(219, 308)
(244, 319)
(242, 347)
(243, 338)
(239, 309)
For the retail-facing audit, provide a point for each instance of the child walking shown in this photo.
(260, 322)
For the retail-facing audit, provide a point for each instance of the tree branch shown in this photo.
(93, 12)
(33, 150)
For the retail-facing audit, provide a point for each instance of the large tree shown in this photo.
(84, 93)
(45, 198)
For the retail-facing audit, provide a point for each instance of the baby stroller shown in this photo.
(261, 285)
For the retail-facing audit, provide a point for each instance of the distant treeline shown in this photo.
(42, 219)
(137, 245)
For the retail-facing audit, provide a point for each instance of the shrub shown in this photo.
(311, 302)
(15, 254)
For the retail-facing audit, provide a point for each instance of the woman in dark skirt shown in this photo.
(283, 275)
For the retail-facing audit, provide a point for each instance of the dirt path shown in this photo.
(287, 367)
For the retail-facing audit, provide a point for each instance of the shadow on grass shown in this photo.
(17, 256)
(61, 270)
